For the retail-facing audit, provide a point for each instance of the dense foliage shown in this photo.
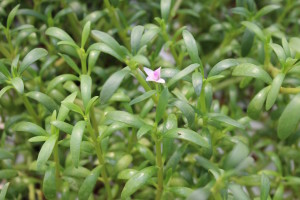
(170, 99)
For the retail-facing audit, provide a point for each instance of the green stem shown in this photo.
(30, 109)
(289, 90)
(99, 153)
(132, 139)
(31, 192)
(11, 48)
(56, 160)
(267, 56)
(73, 23)
(203, 104)
(160, 173)
(287, 8)
(115, 19)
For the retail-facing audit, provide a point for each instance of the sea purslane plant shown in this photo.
(170, 99)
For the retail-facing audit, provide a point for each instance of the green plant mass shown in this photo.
(149, 99)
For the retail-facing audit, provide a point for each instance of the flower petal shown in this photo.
(149, 78)
(160, 80)
(148, 71)
(157, 73)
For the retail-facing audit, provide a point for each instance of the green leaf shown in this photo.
(254, 28)
(63, 110)
(14, 65)
(33, 13)
(136, 36)
(60, 79)
(8, 173)
(181, 191)
(4, 191)
(191, 46)
(112, 84)
(236, 156)
(106, 49)
(204, 193)
(4, 70)
(149, 35)
(238, 192)
(32, 57)
(63, 126)
(76, 138)
(197, 83)
(11, 16)
(222, 65)
(111, 43)
(141, 59)
(207, 164)
(295, 44)
(265, 10)
(279, 53)
(94, 16)
(79, 172)
(286, 47)
(90, 104)
(59, 34)
(5, 155)
(71, 44)
(85, 33)
(279, 192)
(146, 153)
(182, 74)
(225, 119)
(162, 105)
(46, 151)
(289, 119)
(143, 130)
(241, 11)
(30, 128)
(186, 109)
(3, 79)
(168, 143)
(274, 91)
(165, 8)
(73, 107)
(142, 97)
(125, 117)
(49, 183)
(247, 42)
(71, 63)
(112, 129)
(256, 104)
(38, 139)
(3, 90)
(44, 99)
(18, 84)
(137, 181)
(127, 174)
(175, 158)
(251, 70)
(86, 89)
(213, 78)
(89, 183)
(264, 187)
(93, 56)
(189, 135)
(124, 162)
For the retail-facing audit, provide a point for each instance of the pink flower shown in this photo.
(153, 75)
